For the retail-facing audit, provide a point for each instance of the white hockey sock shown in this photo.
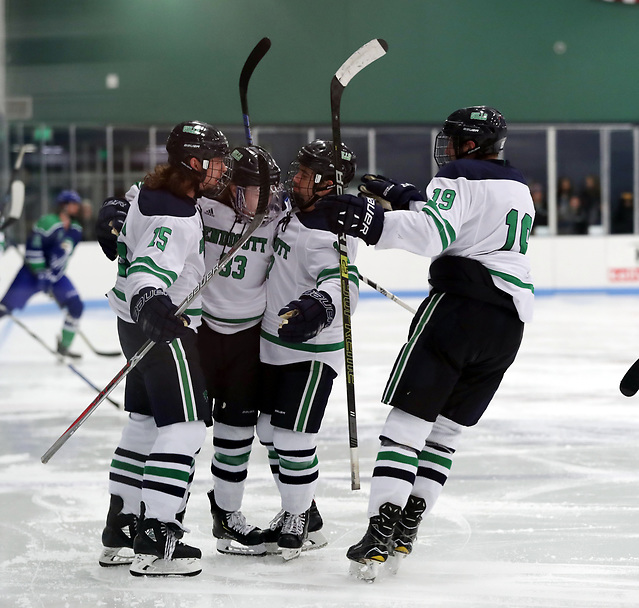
(127, 465)
(168, 472)
(229, 465)
(265, 432)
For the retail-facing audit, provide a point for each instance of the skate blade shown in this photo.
(116, 556)
(150, 565)
(315, 540)
(232, 547)
(288, 553)
(366, 571)
(394, 562)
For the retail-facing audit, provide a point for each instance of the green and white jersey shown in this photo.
(161, 245)
(306, 258)
(478, 209)
(235, 298)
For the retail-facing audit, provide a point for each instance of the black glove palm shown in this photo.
(154, 312)
(306, 317)
(382, 188)
(353, 215)
(111, 218)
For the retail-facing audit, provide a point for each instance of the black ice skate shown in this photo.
(158, 551)
(406, 532)
(293, 534)
(315, 539)
(117, 536)
(63, 351)
(376, 545)
(234, 535)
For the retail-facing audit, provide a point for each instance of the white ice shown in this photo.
(541, 509)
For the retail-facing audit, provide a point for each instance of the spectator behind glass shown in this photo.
(591, 198)
(622, 220)
(541, 209)
(573, 218)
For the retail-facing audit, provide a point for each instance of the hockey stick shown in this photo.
(387, 293)
(261, 48)
(629, 384)
(361, 58)
(260, 212)
(15, 196)
(101, 353)
(57, 355)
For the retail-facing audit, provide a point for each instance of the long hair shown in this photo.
(168, 177)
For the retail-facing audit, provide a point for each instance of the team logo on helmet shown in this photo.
(481, 115)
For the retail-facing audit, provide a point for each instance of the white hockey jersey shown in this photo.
(306, 258)
(235, 298)
(478, 209)
(161, 245)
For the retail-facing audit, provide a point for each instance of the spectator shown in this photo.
(591, 198)
(541, 208)
(622, 221)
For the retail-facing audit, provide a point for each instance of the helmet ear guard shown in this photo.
(483, 125)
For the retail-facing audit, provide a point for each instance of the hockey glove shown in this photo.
(110, 220)
(154, 312)
(44, 281)
(353, 215)
(303, 319)
(388, 190)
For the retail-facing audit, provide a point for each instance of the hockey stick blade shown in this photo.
(629, 384)
(256, 222)
(100, 353)
(16, 193)
(256, 55)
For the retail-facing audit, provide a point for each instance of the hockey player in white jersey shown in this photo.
(229, 339)
(160, 261)
(474, 222)
(302, 340)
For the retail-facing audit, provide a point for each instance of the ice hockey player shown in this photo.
(302, 341)
(161, 261)
(48, 249)
(229, 338)
(474, 222)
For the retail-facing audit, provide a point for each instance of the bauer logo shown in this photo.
(479, 115)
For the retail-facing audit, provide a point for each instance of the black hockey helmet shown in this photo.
(318, 156)
(482, 125)
(195, 138)
(244, 173)
(245, 169)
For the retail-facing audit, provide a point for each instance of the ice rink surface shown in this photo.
(541, 509)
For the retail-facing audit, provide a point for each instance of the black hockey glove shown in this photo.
(384, 189)
(154, 312)
(303, 319)
(353, 215)
(110, 220)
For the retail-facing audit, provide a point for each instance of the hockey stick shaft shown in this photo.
(38, 339)
(146, 347)
(100, 353)
(388, 294)
(361, 58)
(256, 55)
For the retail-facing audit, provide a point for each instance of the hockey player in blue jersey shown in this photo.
(48, 249)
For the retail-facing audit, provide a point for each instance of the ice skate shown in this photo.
(234, 535)
(376, 545)
(315, 539)
(63, 351)
(293, 534)
(158, 551)
(117, 536)
(406, 532)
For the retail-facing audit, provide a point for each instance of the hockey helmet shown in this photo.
(68, 196)
(482, 125)
(318, 156)
(195, 138)
(245, 175)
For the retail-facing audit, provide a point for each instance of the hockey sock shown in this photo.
(229, 465)
(168, 471)
(127, 465)
(298, 468)
(265, 432)
(68, 331)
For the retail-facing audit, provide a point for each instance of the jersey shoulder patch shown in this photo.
(473, 169)
(161, 202)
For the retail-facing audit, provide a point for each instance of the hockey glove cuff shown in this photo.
(111, 218)
(388, 190)
(353, 215)
(154, 312)
(303, 319)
